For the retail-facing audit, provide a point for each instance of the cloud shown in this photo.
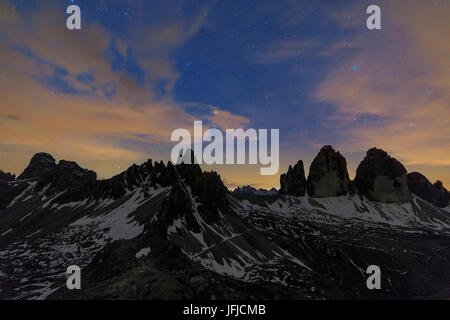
(37, 44)
(98, 97)
(12, 117)
(226, 120)
(398, 98)
(287, 13)
(283, 50)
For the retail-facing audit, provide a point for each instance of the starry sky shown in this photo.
(110, 94)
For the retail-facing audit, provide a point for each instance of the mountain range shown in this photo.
(164, 231)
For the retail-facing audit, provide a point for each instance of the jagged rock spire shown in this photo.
(294, 182)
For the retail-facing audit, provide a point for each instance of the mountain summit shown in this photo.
(39, 164)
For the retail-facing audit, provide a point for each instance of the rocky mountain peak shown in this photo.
(249, 190)
(382, 178)
(39, 165)
(65, 175)
(328, 175)
(438, 184)
(440, 195)
(376, 153)
(294, 181)
(420, 186)
(6, 176)
(433, 193)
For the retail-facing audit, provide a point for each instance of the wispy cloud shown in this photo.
(283, 50)
(398, 96)
(91, 95)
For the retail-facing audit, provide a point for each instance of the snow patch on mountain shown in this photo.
(30, 187)
(117, 223)
(143, 252)
(414, 213)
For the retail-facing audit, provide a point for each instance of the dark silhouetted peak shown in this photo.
(153, 174)
(39, 165)
(207, 186)
(8, 191)
(43, 156)
(293, 182)
(249, 191)
(178, 206)
(147, 175)
(211, 193)
(440, 196)
(244, 190)
(66, 175)
(6, 176)
(375, 152)
(328, 175)
(382, 178)
(420, 186)
(194, 194)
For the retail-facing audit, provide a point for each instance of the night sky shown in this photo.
(110, 94)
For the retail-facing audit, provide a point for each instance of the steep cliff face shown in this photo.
(328, 176)
(382, 178)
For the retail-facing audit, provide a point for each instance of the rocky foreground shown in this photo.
(161, 231)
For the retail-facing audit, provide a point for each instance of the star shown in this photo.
(355, 68)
